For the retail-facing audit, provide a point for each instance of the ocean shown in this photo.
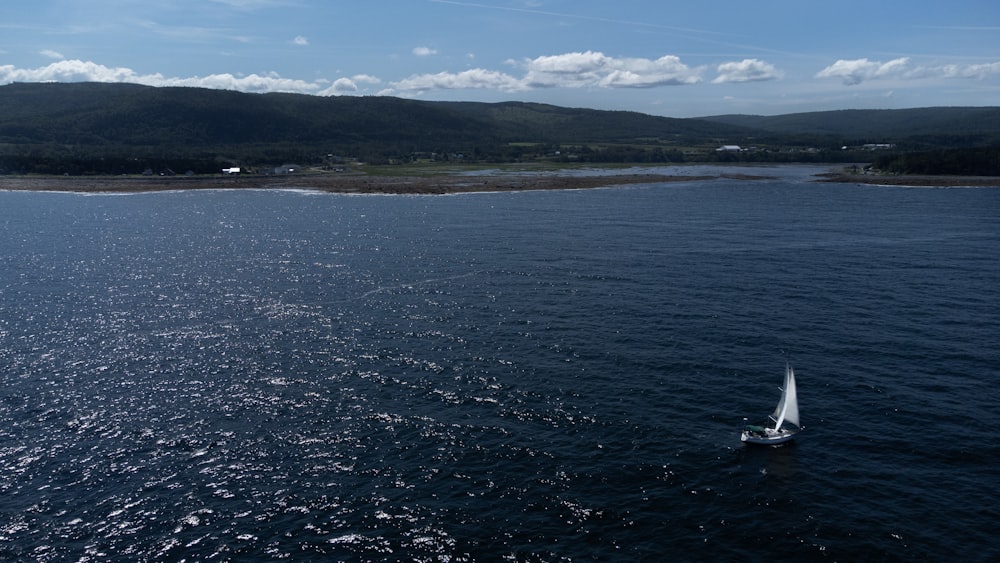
(531, 376)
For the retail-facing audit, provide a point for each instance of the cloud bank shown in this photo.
(86, 71)
(856, 71)
(583, 69)
(588, 69)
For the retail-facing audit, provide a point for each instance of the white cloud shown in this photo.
(747, 70)
(343, 86)
(70, 71)
(51, 54)
(301, 41)
(856, 71)
(569, 70)
(340, 86)
(593, 68)
(424, 51)
(977, 71)
(586, 69)
(570, 63)
(86, 71)
(476, 78)
(251, 83)
(644, 73)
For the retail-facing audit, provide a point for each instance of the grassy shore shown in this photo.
(433, 182)
(336, 183)
(910, 180)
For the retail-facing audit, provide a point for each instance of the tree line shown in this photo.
(981, 161)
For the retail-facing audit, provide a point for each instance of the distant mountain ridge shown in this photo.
(984, 121)
(56, 126)
(93, 113)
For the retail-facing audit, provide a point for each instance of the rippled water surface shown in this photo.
(550, 376)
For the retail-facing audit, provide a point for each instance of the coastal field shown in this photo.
(359, 184)
(422, 180)
(911, 180)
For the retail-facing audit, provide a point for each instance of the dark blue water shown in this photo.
(545, 376)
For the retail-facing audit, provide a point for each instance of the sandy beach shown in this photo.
(345, 183)
(355, 184)
(436, 184)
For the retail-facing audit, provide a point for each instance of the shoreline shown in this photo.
(434, 185)
(345, 184)
(910, 180)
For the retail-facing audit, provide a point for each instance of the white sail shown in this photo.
(791, 398)
(788, 407)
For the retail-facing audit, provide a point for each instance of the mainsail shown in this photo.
(788, 406)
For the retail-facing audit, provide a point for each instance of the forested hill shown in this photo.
(90, 128)
(948, 125)
(125, 114)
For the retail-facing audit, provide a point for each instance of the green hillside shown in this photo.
(139, 115)
(90, 128)
(128, 115)
(547, 123)
(942, 127)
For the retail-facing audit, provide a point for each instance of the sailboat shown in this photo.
(785, 417)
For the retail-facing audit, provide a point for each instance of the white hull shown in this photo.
(770, 437)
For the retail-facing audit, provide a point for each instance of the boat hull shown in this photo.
(767, 438)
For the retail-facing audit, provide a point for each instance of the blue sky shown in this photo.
(679, 59)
